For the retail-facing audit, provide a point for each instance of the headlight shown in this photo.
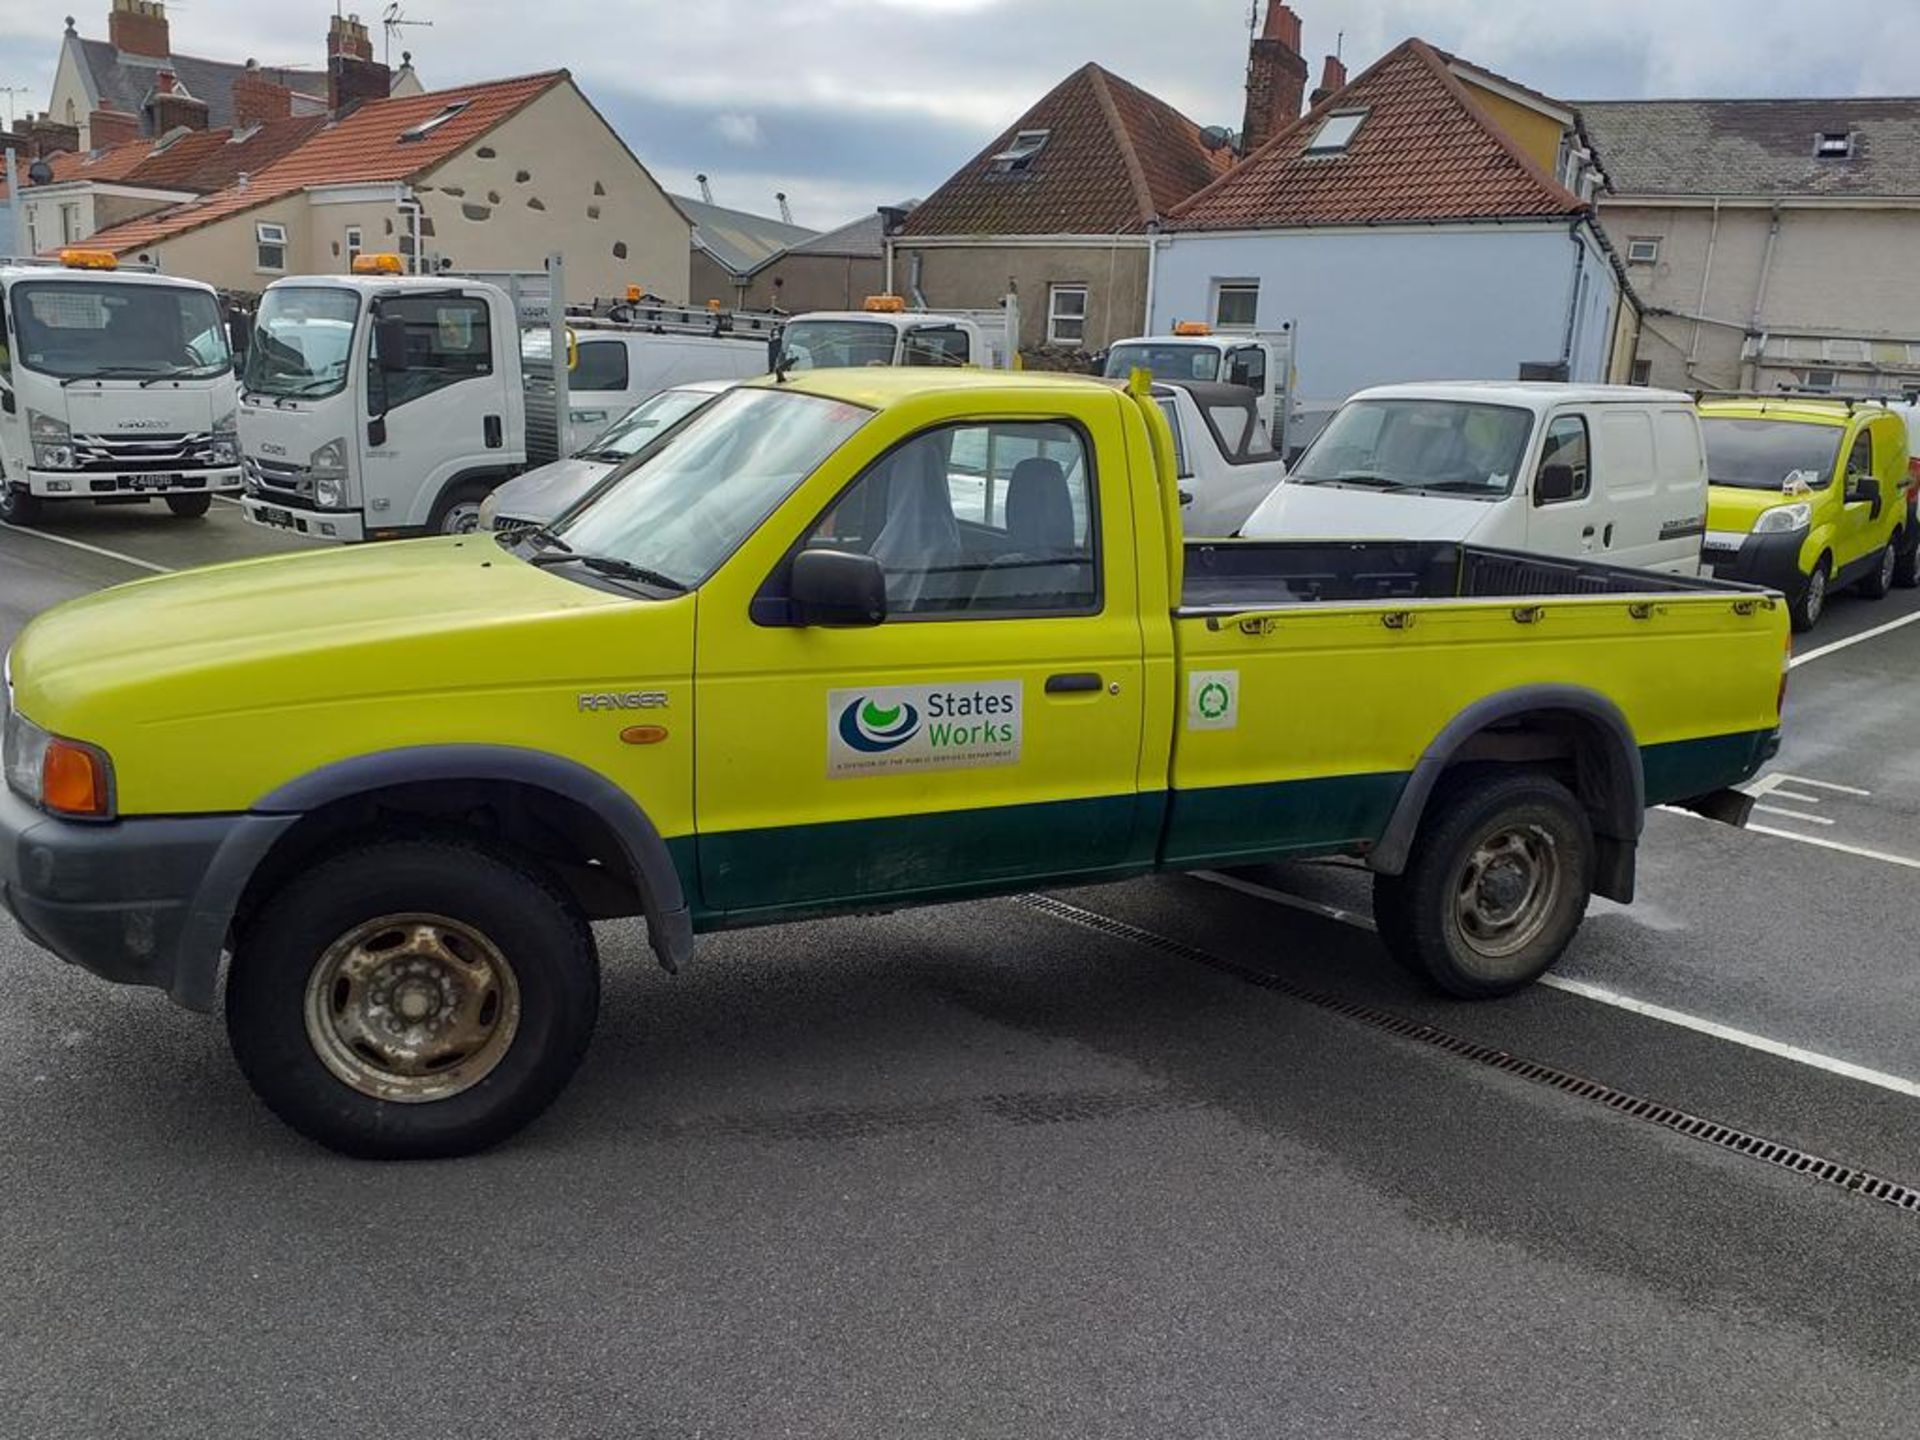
(489, 508)
(328, 466)
(1783, 519)
(52, 442)
(225, 449)
(62, 777)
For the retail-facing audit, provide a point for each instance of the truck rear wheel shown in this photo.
(413, 999)
(18, 506)
(1497, 884)
(1906, 565)
(189, 507)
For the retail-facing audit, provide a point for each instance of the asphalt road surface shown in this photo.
(1181, 1157)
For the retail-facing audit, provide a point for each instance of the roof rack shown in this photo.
(668, 317)
(1796, 394)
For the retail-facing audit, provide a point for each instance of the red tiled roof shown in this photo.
(209, 160)
(364, 147)
(1425, 153)
(1116, 158)
(70, 165)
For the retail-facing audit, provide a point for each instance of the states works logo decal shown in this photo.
(886, 729)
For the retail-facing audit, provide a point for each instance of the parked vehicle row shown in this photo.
(856, 640)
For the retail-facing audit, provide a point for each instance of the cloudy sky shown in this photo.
(845, 104)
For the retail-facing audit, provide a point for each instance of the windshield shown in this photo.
(302, 341)
(1449, 447)
(712, 483)
(101, 330)
(837, 344)
(645, 423)
(1166, 362)
(1761, 454)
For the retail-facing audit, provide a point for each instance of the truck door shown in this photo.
(1561, 518)
(440, 413)
(1859, 531)
(988, 731)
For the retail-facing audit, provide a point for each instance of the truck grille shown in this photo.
(279, 478)
(146, 452)
(508, 527)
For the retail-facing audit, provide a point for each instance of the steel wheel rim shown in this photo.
(1816, 594)
(1887, 562)
(412, 1008)
(461, 519)
(1508, 891)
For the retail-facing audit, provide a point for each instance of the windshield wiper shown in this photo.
(609, 565)
(119, 372)
(185, 372)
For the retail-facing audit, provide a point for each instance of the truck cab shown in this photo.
(1260, 361)
(1811, 496)
(886, 333)
(116, 387)
(380, 405)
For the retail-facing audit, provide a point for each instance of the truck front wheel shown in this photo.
(18, 506)
(189, 507)
(412, 999)
(458, 512)
(1496, 886)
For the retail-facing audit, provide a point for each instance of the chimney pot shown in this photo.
(1282, 25)
(139, 27)
(1333, 77)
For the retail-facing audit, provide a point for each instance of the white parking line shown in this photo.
(1829, 785)
(1885, 857)
(1600, 995)
(90, 549)
(1852, 640)
(1792, 814)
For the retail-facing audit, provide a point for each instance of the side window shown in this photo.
(979, 520)
(449, 339)
(6, 339)
(1247, 367)
(1860, 461)
(1566, 448)
(935, 345)
(603, 366)
(1180, 467)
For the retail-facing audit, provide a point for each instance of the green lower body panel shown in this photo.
(1686, 768)
(1237, 823)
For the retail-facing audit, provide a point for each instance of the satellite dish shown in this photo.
(40, 173)
(1216, 137)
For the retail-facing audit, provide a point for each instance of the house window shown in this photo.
(1236, 304)
(1642, 372)
(1820, 379)
(270, 242)
(1336, 132)
(428, 126)
(1833, 145)
(69, 224)
(353, 246)
(1643, 250)
(1067, 315)
(1019, 155)
(33, 230)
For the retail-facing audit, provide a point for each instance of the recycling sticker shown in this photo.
(1213, 700)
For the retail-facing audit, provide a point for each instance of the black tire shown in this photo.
(189, 507)
(1879, 583)
(1809, 602)
(18, 506)
(1906, 565)
(295, 1062)
(1420, 913)
(458, 511)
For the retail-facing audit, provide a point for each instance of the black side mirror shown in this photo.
(390, 343)
(1556, 483)
(376, 432)
(836, 588)
(8, 403)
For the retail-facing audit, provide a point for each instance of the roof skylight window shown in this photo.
(1833, 145)
(428, 126)
(1336, 133)
(1019, 155)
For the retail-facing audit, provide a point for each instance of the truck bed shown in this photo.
(1268, 574)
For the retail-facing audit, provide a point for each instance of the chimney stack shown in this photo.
(173, 108)
(1333, 79)
(257, 99)
(108, 128)
(353, 76)
(1276, 78)
(139, 27)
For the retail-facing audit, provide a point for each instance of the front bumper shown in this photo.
(136, 484)
(347, 525)
(1769, 560)
(143, 901)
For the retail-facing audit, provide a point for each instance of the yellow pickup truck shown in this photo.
(859, 641)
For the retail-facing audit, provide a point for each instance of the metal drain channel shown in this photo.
(1681, 1122)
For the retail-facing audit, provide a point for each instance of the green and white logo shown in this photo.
(884, 729)
(1213, 700)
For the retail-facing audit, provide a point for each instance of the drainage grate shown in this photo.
(1697, 1127)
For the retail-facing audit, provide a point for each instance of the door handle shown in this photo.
(492, 428)
(1607, 539)
(1078, 682)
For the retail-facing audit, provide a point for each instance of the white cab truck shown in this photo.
(1608, 472)
(116, 388)
(885, 332)
(1258, 360)
(1223, 455)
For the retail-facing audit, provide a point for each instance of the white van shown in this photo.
(1616, 472)
(617, 369)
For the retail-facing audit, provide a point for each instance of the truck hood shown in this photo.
(1323, 512)
(183, 642)
(122, 410)
(540, 495)
(1735, 509)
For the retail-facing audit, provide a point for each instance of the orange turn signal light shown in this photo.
(73, 779)
(644, 734)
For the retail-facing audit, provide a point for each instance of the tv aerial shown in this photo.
(394, 20)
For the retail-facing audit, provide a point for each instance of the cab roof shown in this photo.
(878, 386)
(13, 274)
